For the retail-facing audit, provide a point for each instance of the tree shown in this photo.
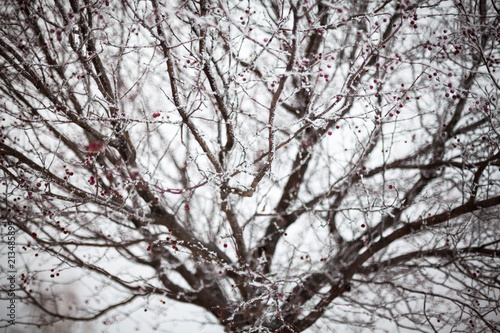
(284, 165)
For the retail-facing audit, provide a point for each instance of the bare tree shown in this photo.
(284, 165)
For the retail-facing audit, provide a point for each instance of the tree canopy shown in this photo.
(284, 164)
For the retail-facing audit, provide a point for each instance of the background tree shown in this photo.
(284, 165)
